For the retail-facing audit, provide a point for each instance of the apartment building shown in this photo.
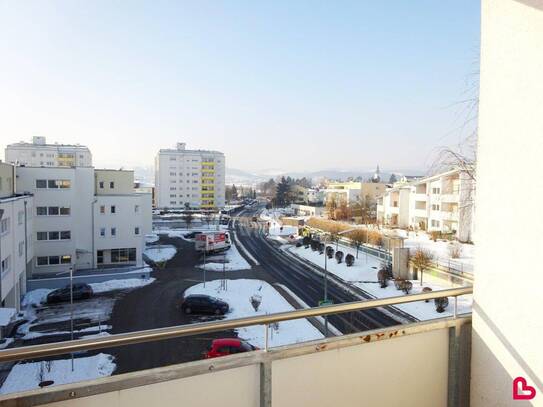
(16, 249)
(443, 202)
(353, 192)
(84, 218)
(189, 178)
(40, 154)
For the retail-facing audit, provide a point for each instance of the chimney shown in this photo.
(181, 146)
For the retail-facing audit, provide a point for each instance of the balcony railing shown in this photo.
(435, 369)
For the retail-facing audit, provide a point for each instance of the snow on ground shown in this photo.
(182, 232)
(160, 253)
(238, 297)
(440, 250)
(151, 238)
(27, 376)
(234, 261)
(124, 284)
(363, 274)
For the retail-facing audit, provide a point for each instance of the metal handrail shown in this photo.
(59, 348)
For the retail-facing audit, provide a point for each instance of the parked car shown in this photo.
(81, 291)
(228, 346)
(203, 304)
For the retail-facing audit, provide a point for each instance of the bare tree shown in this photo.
(188, 217)
(422, 260)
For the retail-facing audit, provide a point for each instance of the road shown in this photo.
(302, 279)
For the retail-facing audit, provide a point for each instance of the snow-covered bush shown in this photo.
(349, 260)
(339, 256)
(330, 252)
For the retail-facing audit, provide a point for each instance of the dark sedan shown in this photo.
(203, 304)
(81, 291)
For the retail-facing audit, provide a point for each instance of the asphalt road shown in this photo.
(302, 279)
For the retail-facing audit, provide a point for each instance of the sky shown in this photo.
(286, 85)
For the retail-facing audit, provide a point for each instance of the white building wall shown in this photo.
(78, 198)
(84, 206)
(507, 323)
(130, 222)
(14, 247)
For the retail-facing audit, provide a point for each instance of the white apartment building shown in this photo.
(189, 178)
(84, 218)
(443, 202)
(353, 192)
(40, 154)
(16, 249)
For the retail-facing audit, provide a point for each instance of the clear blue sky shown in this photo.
(285, 84)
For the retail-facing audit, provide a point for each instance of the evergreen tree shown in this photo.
(392, 179)
(283, 189)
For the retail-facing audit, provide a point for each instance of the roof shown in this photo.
(175, 150)
(56, 145)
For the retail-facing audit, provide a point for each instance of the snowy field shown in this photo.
(27, 376)
(232, 258)
(160, 253)
(238, 297)
(363, 274)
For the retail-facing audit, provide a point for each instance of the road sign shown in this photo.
(325, 302)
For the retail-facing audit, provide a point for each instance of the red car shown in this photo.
(228, 346)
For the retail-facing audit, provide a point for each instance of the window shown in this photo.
(64, 184)
(65, 235)
(112, 184)
(53, 211)
(41, 183)
(54, 235)
(113, 208)
(113, 231)
(101, 184)
(435, 207)
(41, 235)
(102, 232)
(136, 208)
(6, 263)
(123, 255)
(136, 230)
(173, 195)
(435, 223)
(52, 184)
(64, 211)
(100, 257)
(54, 259)
(41, 210)
(21, 248)
(436, 190)
(4, 226)
(102, 209)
